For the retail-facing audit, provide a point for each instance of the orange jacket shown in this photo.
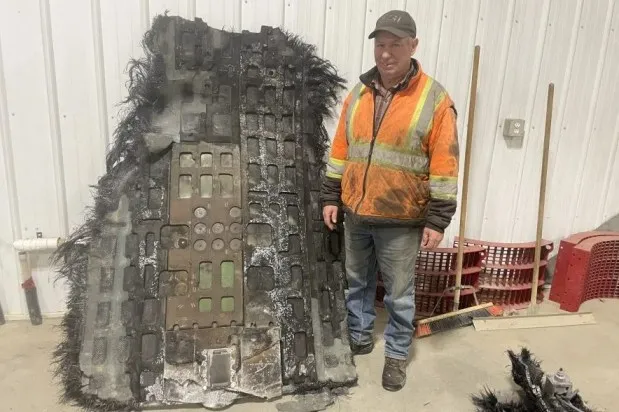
(406, 173)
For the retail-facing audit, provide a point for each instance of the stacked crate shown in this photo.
(507, 272)
(587, 268)
(435, 274)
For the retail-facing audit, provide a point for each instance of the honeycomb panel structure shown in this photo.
(205, 273)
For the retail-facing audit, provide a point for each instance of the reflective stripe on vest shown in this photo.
(335, 168)
(410, 155)
(352, 108)
(386, 156)
(444, 187)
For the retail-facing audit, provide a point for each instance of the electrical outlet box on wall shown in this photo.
(513, 128)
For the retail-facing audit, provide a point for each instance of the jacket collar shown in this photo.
(411, 77)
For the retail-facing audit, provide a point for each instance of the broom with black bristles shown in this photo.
(464, 317)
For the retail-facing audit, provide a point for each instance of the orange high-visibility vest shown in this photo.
(413, 157)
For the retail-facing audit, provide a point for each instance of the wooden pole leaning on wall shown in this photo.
(532, 319)
(533, 308)
(465, 178)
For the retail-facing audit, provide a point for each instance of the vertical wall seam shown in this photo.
(577, 190)
(97, 39)
(283, 21)
(9, 159)
(608, 175)
(440, 36)
(365, 19)
(541, 42)
(503, 70)
(11, 179)
(144, 15)
(324, 31)
(53, 115)
(565, 92)
(191, 9)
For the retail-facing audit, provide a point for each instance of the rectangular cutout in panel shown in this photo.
(106, 283)
(227, 304)
(269, 123)
(206, 160)
(254, 175)
(186, 160)
(184, 187)
(291, 176)
(272, 149)
(226, 160)
(150, 244)
(227, 274)
(205, 305)
(275, 209)
(289, 94)
(260, 278)
(286, 124)
(272, 175)
(219, 370)
(293, 215)
(226, 186)
(289, 149)
(300, 344)
(206, 275)
(270, 96)
(259, 234)
(255, 209)
(253, 96)
(206, 186)
(251, 121)
(296, 273)
(253, 146)
(297, 307)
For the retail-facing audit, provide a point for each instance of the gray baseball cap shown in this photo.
(396, 22)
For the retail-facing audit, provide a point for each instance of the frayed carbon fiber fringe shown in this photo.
(126, 161)
(527, 373)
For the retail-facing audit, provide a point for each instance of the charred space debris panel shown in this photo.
(204, 272)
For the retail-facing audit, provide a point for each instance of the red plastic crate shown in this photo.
(593, 272)
(507, 272)
(559, 276)
(510, 299)
(511, 278)
(509, 253)
(436, 271)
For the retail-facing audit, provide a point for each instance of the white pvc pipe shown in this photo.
(37, 245)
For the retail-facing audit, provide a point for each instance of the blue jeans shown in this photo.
(394, 250)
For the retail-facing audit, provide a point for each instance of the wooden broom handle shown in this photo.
(542, 195)
(465, 178)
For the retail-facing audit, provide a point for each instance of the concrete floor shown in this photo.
(445, 368)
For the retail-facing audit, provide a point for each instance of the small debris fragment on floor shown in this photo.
(312, 402)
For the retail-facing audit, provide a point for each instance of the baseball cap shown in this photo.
(396, 22)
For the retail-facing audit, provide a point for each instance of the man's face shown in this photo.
(392, 54)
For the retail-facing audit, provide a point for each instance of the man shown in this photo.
(393, 168)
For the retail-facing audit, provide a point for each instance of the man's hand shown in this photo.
(431, 238)
(329, 215)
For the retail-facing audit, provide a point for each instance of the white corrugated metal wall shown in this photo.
(62, 76)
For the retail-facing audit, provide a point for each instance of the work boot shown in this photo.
(361, 349)
(394, 374)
